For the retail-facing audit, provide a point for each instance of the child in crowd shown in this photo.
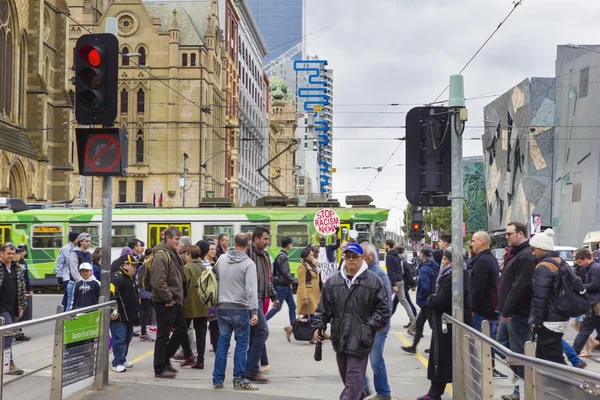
(87, 290)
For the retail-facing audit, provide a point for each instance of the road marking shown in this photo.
(138, 359)
(422, 359)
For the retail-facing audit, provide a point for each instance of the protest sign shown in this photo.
(326, 221)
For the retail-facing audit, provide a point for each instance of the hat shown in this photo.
(130, 260)
(355, 248)
(83, 236)
(437, 255)
(126, 251)
(543, 240)
(87, 266)
(73, 236)
(448, 253)
(19, 250)
(427, 251)
(23, 246)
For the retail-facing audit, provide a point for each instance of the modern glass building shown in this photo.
(280, 23)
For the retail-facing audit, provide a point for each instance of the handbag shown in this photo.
(302, 329)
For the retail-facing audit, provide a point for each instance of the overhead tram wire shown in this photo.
(516, 4)
(383, 167)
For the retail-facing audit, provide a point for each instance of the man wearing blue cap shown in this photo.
(356, 304)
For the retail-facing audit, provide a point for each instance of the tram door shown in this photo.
(5, 233)
(155, 230)
(344, 236)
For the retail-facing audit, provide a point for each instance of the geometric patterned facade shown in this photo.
(475, 193)
(518, 152)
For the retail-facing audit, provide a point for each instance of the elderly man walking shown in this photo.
(359, 293)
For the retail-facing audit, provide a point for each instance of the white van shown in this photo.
(566, 253)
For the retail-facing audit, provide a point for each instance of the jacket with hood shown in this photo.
(281, 270)
(546, 290)
(393, 265)
(356, 307)
(124, 289)
(86, 293)
(236, 274)
(428, 272)
(166, 275)
(193, 306)
(514, 290)
(483, 283)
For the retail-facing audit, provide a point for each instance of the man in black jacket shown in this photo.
(283, 281)
(514, 296)
(394, 265)
(548, 322)
(360, 294)
(484, 277)
(583, 257)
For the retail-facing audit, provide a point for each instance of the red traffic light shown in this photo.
(416, 227)
(92, 55)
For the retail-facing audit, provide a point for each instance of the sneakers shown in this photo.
(166, 374)
(512, 396)
(428, 397)
(179, 357)
(14, 370)
(409, 349)
(187, 361)
(499, 375)
(257, 377)
(146, 338)
(153, 329)
(240, 383)
(170, 368)
(198, 366)
(407, 325)
(410, 332)
(581, 365)
(22, 338)
(127, 364)
(265, 369)
(119, 368)
(217, 386)
(378, 397)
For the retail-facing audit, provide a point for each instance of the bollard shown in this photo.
(102, 360)
(529, 378)
(57, 360)
(487, 356)
(2, 353)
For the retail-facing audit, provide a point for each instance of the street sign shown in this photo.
(102, 151)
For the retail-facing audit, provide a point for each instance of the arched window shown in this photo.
(124, 58)
(2, 70)
(139, 147)
(124, 101)
(142, 58)
(21, 87)
(184, 60)
(141, 99)
(193, 59)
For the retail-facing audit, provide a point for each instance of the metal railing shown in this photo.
(543, 380)
(101, 361)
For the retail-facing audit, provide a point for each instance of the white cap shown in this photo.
(543, 240)
(87, 266)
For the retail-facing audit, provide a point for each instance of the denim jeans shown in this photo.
(258, 337)
(514, 334)
(478, 321)
(571, 354)
(9, 318)
(70, 289)
(380, 379)
(284, 293)
(121, 333)
(238, 322)
(590, 323)
(65, 299)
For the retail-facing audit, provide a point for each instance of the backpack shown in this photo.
(146, 280)
(208, 287)
(572, 300)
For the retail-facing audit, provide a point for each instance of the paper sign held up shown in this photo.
(326, 221)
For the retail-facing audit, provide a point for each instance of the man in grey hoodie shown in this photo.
(238, 310)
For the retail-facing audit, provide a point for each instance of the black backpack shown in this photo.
(572, 300)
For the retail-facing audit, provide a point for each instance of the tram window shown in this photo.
(249, 228)
(46, 237)
(122, 234)
(216, 230)
(93, 230)
(298, 232)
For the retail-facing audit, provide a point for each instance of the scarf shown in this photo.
(443, 272)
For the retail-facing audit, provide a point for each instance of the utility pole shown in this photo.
(456, 106)
(185, 170)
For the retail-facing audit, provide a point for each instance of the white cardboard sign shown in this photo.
(326, 221)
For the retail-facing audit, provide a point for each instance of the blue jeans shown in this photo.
(70, 289)
(284, 293)
(514, 334)
(121, 333)
(65, 299)
(9, 318)
(258, 337)
(238, 322)
(380, 378)
(478, 321)
(571, 354)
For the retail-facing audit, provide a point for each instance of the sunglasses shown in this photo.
(352, 256)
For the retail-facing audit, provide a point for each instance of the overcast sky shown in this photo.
(403, 51)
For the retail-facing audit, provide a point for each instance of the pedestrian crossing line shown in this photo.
(422, 359)
(137, 359)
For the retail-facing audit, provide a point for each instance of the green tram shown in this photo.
(45, 228)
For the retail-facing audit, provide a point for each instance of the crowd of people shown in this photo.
(183, 292)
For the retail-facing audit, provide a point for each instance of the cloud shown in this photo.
(401, 51)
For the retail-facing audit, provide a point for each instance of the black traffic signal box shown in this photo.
(428, 157)
(96, 79)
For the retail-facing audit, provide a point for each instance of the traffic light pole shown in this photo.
(456, 103)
